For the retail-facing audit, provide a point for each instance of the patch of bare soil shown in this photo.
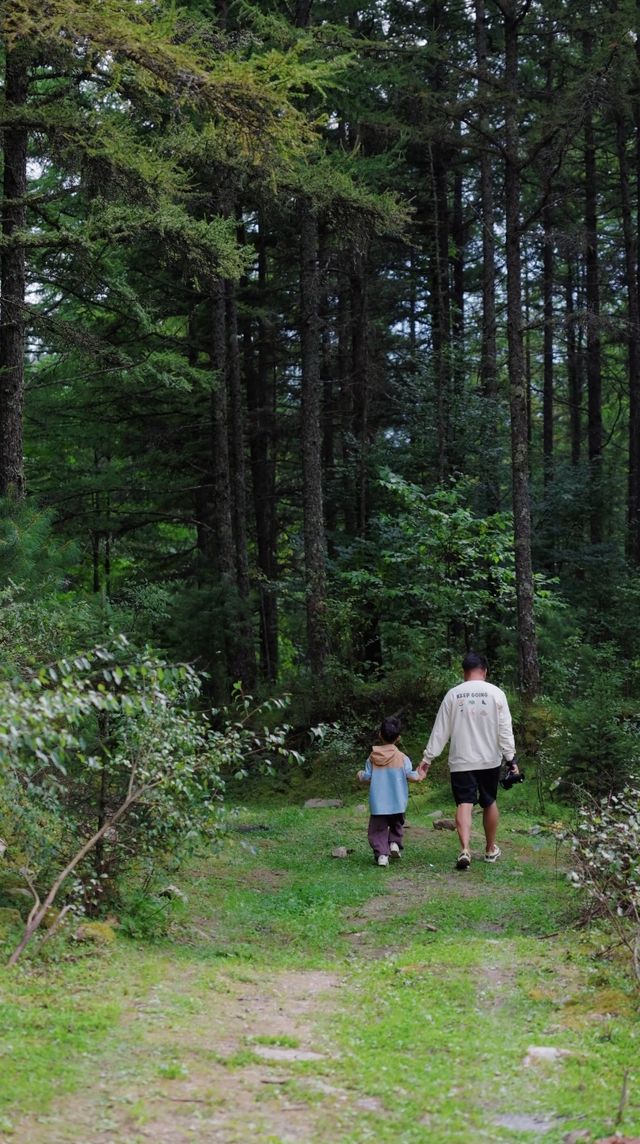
(497, 984)
(253, 877)
(262, 878)
(188, 1072)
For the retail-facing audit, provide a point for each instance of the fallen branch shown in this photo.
(57, 923)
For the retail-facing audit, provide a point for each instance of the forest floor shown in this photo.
(306, 998)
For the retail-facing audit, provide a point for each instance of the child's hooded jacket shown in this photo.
(387, 769)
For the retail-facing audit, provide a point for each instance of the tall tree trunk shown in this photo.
(441, 304)
(203, 492)
(527, 642)
(314, 530)
(633, 345)
(328, 394)
(547, 352)
(457, 262)
(594, 356)
(527, 356)
(237, 440)
(360, 382)
(413, 311)
(261, 401)
(634, 392)
(13, 276)
(244, 655)
(458, 364)
(488, 343)
(574, 376)
(548, 270)
(345, 382)
(220, 458)
(223, 500)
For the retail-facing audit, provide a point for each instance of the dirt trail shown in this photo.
(222, 1056)
(169, 1080)
(222, 1053)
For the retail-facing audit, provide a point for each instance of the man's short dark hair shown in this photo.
(473, 660)
(390, 729)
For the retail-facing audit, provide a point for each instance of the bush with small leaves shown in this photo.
(109, 759)
(606, 855)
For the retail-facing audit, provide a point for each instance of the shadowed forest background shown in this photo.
(319, 364)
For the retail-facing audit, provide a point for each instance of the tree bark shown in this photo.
(441, 304)
(547, 351)
(244, 655)
(634, 396)
(261, 400)
(236, 651)
(594, 355)
(360, 383)
(457, 263)
(529, 673)
(311, 352)
(633, 345)
(574, 377)
(220, 456)
(328, 395)
(346, 399)
(488, 343)
(13, 277)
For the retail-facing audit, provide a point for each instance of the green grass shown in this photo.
(56, 1017)
(430, 1026)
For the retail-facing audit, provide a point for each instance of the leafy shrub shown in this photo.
(606, 852)
(146, 916)
(594, 745)
(109, 760)
(590, 742)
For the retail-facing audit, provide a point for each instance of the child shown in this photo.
(388, 770)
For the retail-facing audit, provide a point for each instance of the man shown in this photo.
(475, 716)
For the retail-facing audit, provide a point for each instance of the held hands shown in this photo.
(423, 769)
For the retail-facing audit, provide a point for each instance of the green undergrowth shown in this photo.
(56, 1016)
(282, 886)
(440, 1032)
(446, 980)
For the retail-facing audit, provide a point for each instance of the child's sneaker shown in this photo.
(383, 860)
(464, 860)
(493, 854)
(394, 851)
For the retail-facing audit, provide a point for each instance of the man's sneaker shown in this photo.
(464, 860)
(383, 860)
(394, 851)
(493, 854)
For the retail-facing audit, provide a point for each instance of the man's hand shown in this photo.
(424, 768)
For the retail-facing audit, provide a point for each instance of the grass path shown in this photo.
(304, 998)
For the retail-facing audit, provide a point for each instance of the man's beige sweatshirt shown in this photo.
(475, 716)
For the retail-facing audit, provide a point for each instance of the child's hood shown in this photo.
(386, 755)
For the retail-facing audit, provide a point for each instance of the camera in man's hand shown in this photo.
(511, 776)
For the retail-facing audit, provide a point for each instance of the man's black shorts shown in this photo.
(475, 786)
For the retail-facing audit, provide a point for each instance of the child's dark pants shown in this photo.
(383, 830)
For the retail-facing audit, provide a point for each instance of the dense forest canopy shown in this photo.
(319, 354)
(319, 365)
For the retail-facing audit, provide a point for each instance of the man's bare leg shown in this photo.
(490, 820)
(463, 823)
